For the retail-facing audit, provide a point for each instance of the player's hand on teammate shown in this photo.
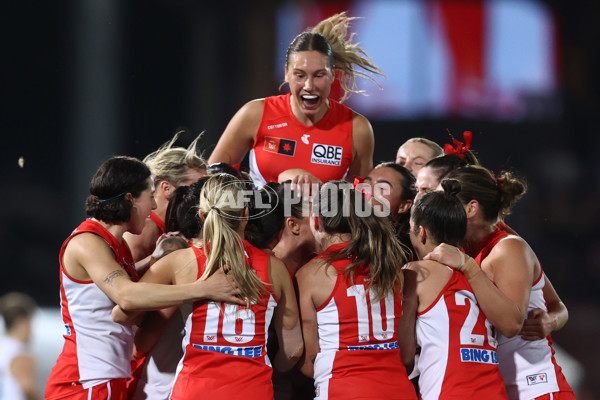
(221, 287)
(303, 183)
(447, 255)
(537, 326)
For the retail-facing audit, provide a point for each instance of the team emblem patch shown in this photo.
(280, 146)
(537, 379)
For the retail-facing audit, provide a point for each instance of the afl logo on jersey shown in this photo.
(326, 154)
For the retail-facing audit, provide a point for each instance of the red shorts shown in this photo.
(557, 396)
(115, 389)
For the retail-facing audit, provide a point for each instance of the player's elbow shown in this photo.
(127, 299)
(511, 327)
(295, 356)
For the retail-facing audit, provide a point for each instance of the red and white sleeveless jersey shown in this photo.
(358, 337)
(282, 142)
(225, 346)
(96, 349)
(458, 357)
(527, 366)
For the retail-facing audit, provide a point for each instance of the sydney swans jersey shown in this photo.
(528, 367)
(458, 357)
(282, 142)
(96, 349)
(358, 338)
(225, 344)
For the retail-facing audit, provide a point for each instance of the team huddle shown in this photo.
(313, 275)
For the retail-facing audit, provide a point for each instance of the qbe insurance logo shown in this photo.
(326, 154)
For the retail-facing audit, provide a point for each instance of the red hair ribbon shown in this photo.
(459, 150)
(359, 185)
(499, 181)
(236, 166)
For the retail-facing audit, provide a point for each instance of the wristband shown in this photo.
(463, 261)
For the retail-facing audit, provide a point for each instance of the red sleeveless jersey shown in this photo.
(282, 142)
(359, 355)
(225, 345)
(458, 357)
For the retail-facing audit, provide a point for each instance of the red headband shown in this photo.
(460, 150)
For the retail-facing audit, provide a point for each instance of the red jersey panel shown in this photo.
(225, 345)
(159, 222)
(528, 367)
(458, 357)
(358, 338)
(282, 142)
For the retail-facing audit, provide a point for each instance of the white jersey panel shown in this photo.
(328, 321)
(433, 336)
(104, 347)
(257, 178)
(526, 366)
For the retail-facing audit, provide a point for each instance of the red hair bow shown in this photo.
(459, 150)
(358, 185)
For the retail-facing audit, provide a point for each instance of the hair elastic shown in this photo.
(112, 198)
(462, 260)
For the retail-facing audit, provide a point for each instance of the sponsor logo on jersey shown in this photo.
(379, 346)
(326, 154)
(280, 146)
(482, 356)
(251, 352)
(537, 379)
(277, 126)
(304, 138)
(68, 328)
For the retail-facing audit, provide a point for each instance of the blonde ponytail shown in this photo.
(223, 246)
